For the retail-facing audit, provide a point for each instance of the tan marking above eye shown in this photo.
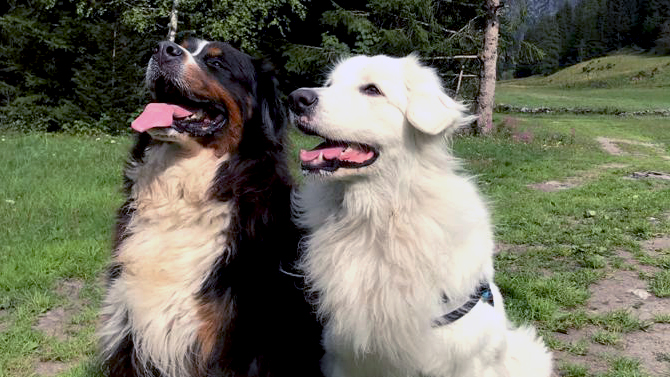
(214, 51)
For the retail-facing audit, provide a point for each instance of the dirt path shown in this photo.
(575, 181)
(623, 288)
(57, 323)
(614, 146)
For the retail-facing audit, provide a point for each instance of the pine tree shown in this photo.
(545, 34)
(565, 27)
(74, 64)
(652, 16)
(39, 45)
(663, 40)
(392, 27)
(622, 17)
(597, 38)
(244, 23)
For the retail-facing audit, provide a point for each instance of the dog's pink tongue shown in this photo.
(341, 153)
(354, 155)
(159, 115)
(328, 153)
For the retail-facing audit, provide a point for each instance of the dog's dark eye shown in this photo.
(216, 63)
(371, 90)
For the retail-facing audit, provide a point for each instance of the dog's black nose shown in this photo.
(167, 51)
(302, 100)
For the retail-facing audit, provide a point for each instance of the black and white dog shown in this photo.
(198, 284)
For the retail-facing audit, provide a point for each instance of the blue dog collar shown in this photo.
(483, 294)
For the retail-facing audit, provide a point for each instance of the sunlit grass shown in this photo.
(619, 82)
(59, 194)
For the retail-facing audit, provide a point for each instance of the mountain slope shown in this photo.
(613, 83)
(540, 8)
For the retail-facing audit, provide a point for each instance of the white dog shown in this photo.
(401, 247)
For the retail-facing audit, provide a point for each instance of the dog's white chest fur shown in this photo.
(176, 235)
(381, 260)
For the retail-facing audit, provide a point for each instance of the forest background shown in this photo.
(78, 65)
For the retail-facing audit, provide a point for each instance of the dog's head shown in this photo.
(205, 93)
(371, 107)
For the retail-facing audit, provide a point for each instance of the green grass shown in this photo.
(58, 198)
(660, 284)
(625, 367)
(608, 72)
(569, 238)
(573, 370)
(579, 347)
(298, 140)
(633, 99)
(59, 195)
(662, 318)
(620, 321)
(620, 82)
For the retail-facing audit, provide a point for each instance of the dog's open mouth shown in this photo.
(332, 155)
(181, 113)
(194, 121)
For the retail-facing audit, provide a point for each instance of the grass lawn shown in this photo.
(59, 194)
(614, 71)
(558, 245)
(630, 99)
(619, 82)
(57, 198)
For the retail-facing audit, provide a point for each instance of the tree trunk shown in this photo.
(172, 25)
(114, 59)
(487, 83)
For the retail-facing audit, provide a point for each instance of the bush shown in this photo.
(28, 113)
(508, 128)
(34, 114)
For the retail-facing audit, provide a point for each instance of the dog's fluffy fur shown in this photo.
(397, 229)
(196, 286)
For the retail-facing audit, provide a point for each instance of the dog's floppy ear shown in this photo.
(429, 109)
(272, 111)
